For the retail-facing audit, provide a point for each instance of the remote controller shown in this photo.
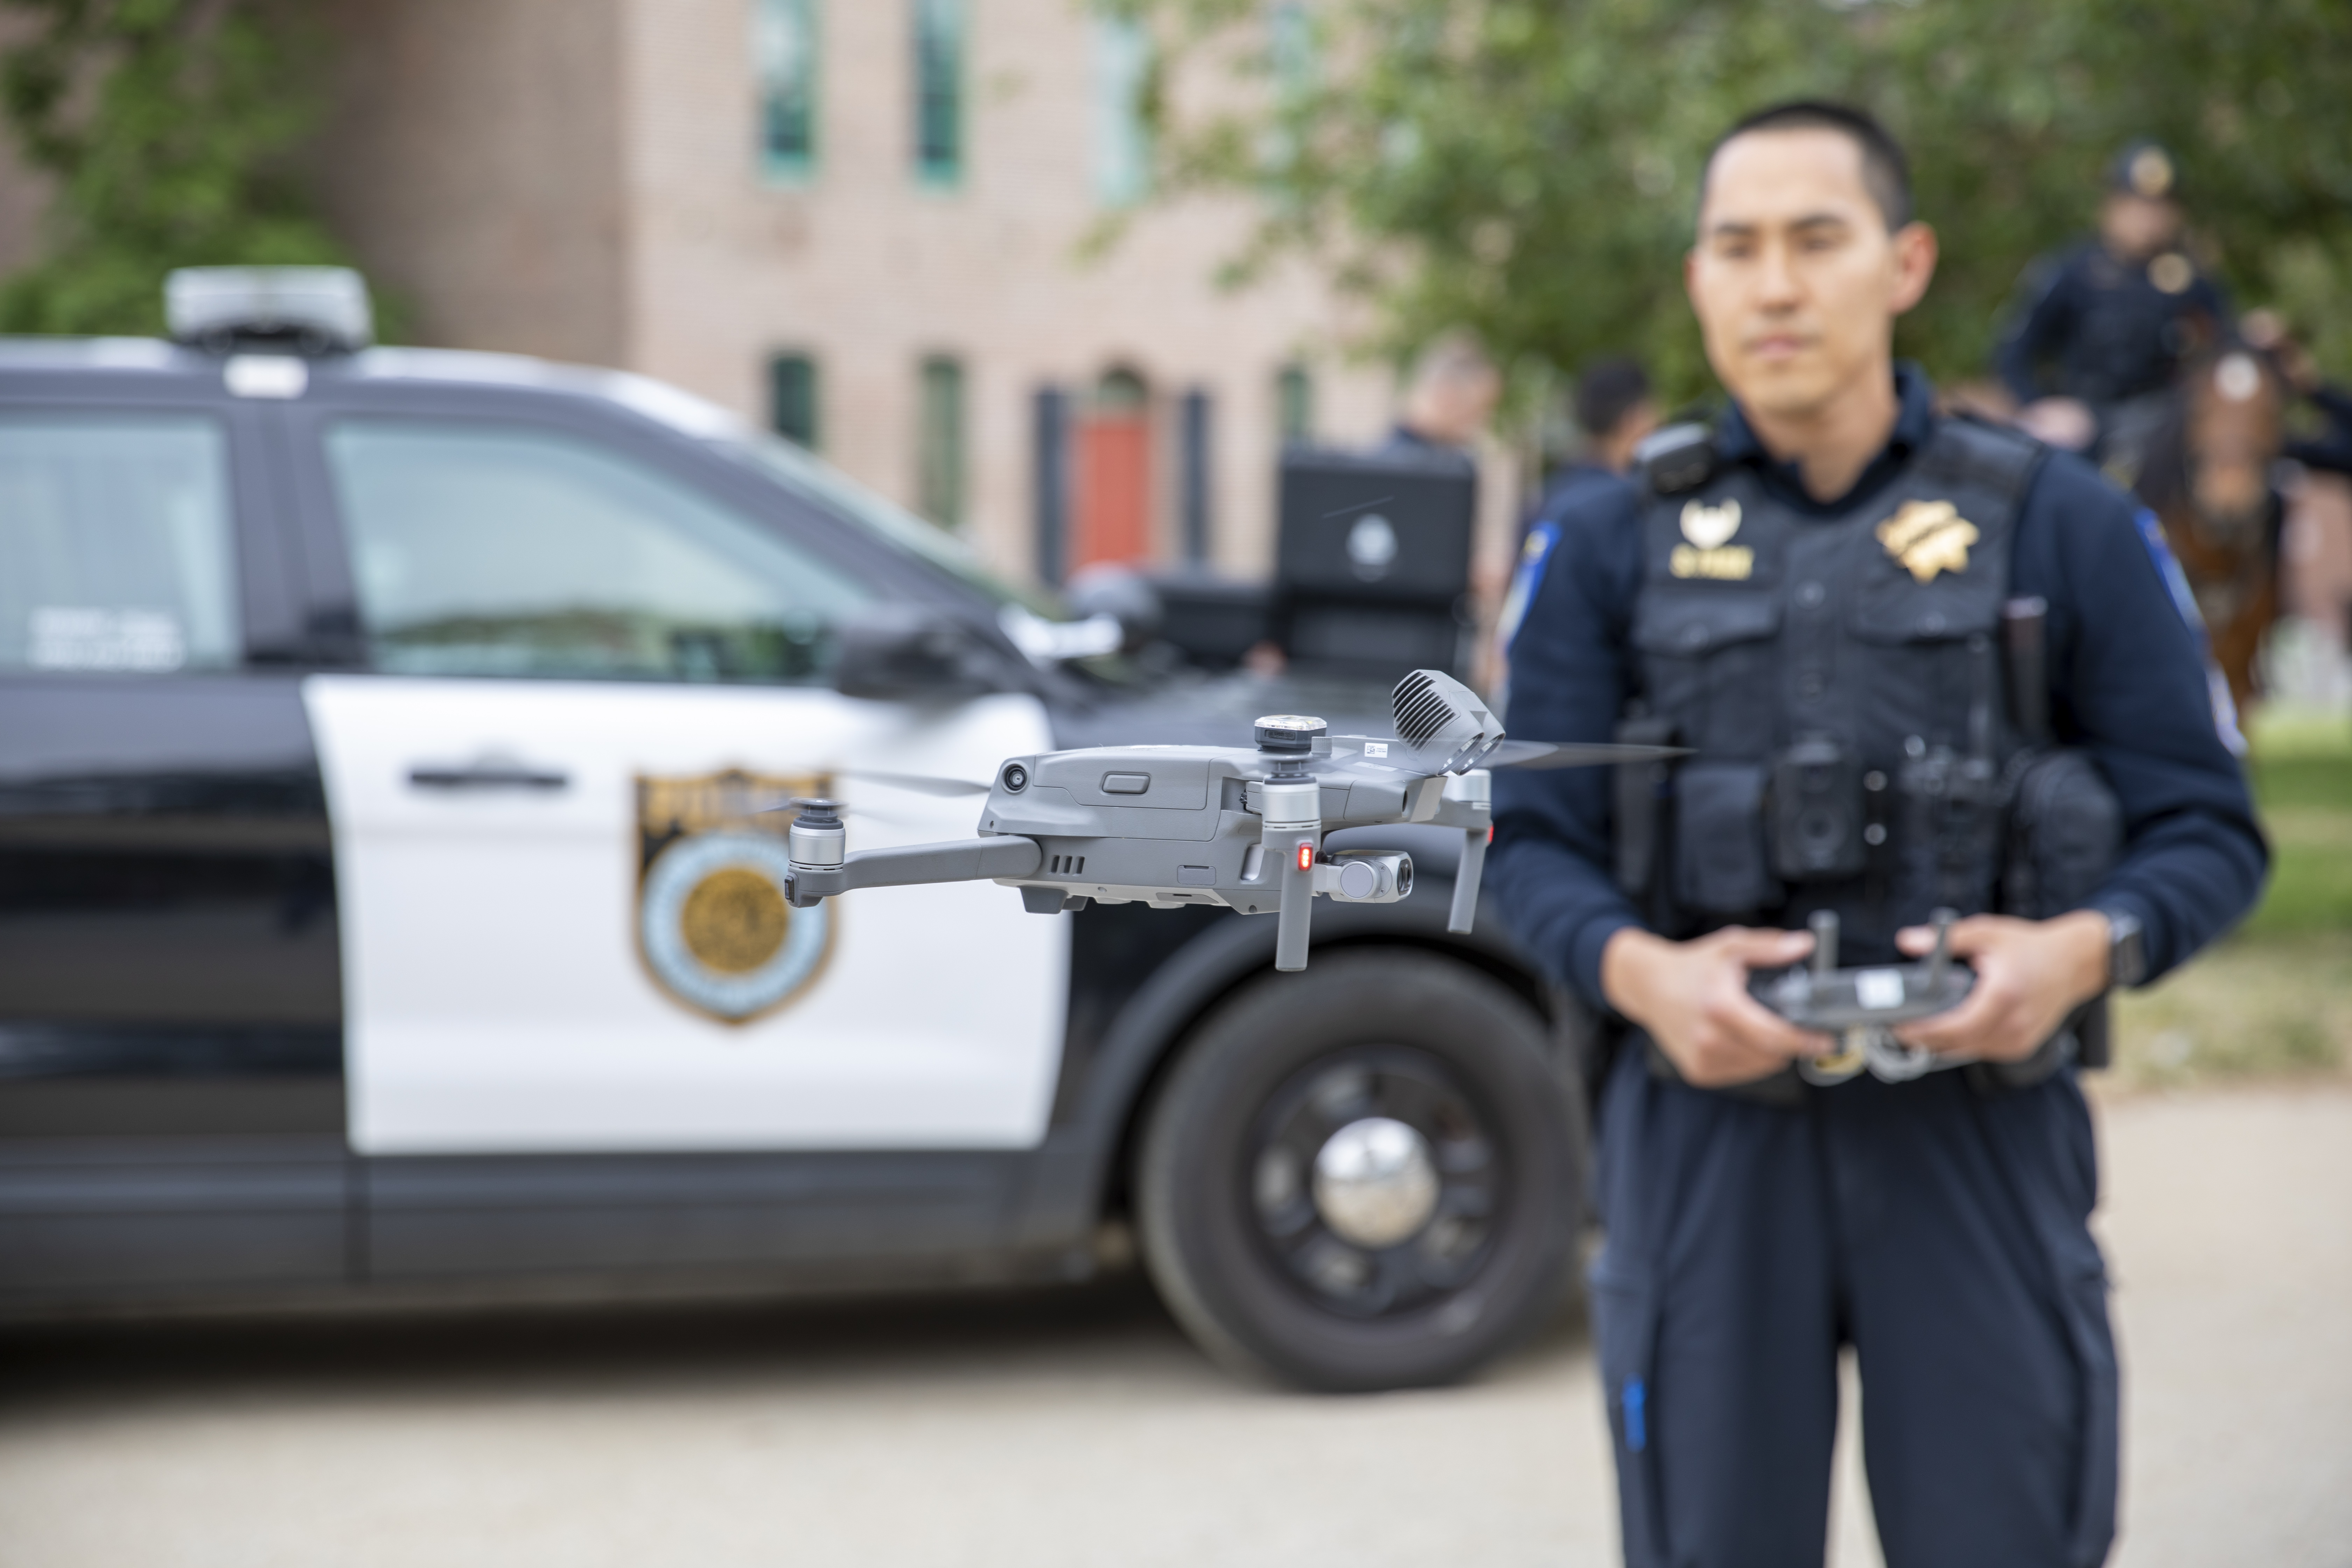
(1862, 1005)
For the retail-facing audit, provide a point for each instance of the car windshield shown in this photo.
(891, 523)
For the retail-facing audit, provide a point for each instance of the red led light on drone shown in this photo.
(1307, 857)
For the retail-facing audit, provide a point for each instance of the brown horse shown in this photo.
(2207, 476)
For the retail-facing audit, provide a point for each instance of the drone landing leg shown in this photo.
(1465, 882)
(1290, 933)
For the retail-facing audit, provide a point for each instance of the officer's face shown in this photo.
(1795, 279)
(2135, 227)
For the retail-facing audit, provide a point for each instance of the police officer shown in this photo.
(2103, 326)
(1812, 600)
(1448, 399)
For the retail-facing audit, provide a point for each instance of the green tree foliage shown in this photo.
(166, 127)
(1530, 169)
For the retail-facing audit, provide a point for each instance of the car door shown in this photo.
(171, 1094)
(589, 666)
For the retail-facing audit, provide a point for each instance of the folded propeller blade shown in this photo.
(1542, 754)
(921, 783)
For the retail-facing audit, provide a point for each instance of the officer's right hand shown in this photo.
(1692, 998)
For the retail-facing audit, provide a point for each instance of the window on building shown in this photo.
(512, 551)
(1122, 140)
(1292, 43)
(1294, 398)
(115, 550)
(783, 45)
(939, 443)
(939, 91)
(792, 399)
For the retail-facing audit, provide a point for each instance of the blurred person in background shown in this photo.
(1448, 400)
(2315, 543)
(1814, 591)
(2103, 326)
(1614, 411)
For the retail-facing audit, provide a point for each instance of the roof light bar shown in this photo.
(296, 310)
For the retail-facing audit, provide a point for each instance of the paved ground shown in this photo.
(1081, 1428)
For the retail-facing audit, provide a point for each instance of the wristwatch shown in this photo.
(2126, 950)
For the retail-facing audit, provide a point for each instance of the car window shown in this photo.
(115, 544)
(894, 525)
(520, 552)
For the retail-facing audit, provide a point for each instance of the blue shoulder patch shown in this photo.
(1528, 577)
(2184, 599)
(2175, 580)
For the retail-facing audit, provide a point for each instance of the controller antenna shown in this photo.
(1941, 958)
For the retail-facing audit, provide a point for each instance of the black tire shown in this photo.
(1391, 1033)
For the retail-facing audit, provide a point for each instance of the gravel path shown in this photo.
(1079, 1428)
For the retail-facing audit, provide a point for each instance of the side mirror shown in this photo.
(1124, 595)
(910, 651)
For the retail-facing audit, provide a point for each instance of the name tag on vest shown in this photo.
(1732, 562)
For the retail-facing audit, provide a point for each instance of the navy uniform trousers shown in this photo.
(1940, 1231)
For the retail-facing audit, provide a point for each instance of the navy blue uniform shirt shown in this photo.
(2127, 675)
(2111, 330)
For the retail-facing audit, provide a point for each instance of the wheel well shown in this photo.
(1530, 987)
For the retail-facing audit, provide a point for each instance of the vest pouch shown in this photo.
(2065, 835)
(1948, 835)
(1814, 812)
(1643, 798)
(1718, 834)
(1709, 664)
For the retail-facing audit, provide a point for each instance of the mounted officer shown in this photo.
(2101, 328)
(1919, 662)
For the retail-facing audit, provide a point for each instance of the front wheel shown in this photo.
(1364, 1177)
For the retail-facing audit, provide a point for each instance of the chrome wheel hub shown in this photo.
(1375, 1183)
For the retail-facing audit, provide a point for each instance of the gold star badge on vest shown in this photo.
(1929, 537)
(1710, 552)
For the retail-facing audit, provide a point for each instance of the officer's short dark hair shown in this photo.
(1885, 171)
(1606, 391)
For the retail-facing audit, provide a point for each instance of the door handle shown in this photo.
(488, 775)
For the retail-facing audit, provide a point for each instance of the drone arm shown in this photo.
(963, 861)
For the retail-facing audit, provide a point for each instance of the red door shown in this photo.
(1113, 463)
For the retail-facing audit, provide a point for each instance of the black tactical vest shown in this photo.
(1840, 681)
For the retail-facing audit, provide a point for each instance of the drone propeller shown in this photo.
(921, 783)
(823, 806)
(1542, 754)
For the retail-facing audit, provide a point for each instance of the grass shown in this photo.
(2276, 996)
(2251, 1005)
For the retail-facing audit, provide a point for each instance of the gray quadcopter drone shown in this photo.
(1174, 827)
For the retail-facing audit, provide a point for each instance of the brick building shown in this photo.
(865, 223)
(862, 221)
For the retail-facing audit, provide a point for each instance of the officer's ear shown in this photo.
(1915, 248)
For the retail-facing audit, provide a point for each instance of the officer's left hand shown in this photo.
(2030, 976)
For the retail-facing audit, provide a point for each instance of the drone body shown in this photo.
(1242, 827)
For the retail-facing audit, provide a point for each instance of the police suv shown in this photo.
(389, 900)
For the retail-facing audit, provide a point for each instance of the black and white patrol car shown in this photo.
(387, 910)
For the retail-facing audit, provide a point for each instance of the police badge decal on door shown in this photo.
(713, 927)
